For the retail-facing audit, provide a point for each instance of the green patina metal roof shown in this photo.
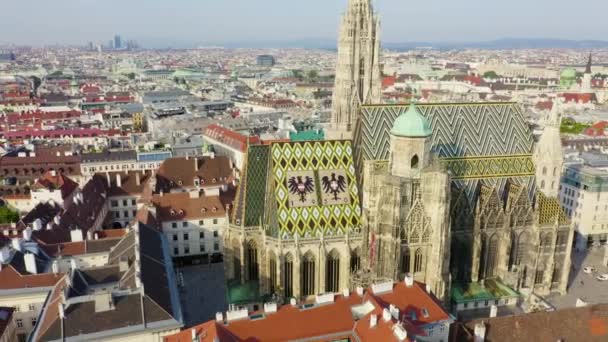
(242, 293)
(309, 135)
(412, 124)
(492, 289)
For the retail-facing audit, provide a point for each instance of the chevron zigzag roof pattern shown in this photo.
(460, 130)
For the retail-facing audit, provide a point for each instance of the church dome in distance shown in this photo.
(568, 74)
(412, 124)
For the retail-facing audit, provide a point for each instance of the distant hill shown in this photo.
(504, 43)
(331, 44)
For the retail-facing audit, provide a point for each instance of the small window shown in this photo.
(214, 221)
(216, 246)
(215, 233)
(186, 236)
(19, 323)
(184, 224)
(415, 162)
(174, 224)
(124, 203)
(114, 204)
(175, 251)
(133, 202)
(202, 248)
(186, 250)
(174, 237)
(31, 307)
(201, 235)
(34, 320)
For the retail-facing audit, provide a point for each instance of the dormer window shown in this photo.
(181, 212)
(196, 182)
(173, 212)
(202, 181)
(214, 209)
(203, 210)
(180, 182)
(214, 180)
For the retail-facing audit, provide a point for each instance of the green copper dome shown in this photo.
(568, 73)
(411, 124)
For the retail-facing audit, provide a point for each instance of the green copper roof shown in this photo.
(412, 124)
(568, 73)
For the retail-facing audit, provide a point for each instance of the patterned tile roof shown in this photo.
(288, 185)
(485, 143)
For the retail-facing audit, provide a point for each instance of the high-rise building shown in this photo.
(358, 78)
(117, 42)
(266, 60)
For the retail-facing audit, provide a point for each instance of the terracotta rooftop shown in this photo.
(53, 180)
(182, 172)
(229, 137)
(179, 206)
(589, 324)
(328, 322)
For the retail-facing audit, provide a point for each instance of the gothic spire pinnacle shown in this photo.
(589, 63)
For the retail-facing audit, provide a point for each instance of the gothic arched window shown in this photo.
(307, 277)
(544, 171)
(288, 276)
(405, 260)
(418, 260)
(542, 185)
(355, 260)
(332, 272)
(272, 265)
(252, 261)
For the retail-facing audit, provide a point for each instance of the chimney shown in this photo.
(409, 280)
(89, 235)
(346, 293)
(193, 333)
(76, 235)
(493, 311)
(118, 180)
(480, 332)
(61, 311)
(195, 164)
(27, 234)
(373, 321)
(219, 317)
(137, 178)
(16, 243)
(293, 302)
(53, 173)
(55, 267)
(386, 315)
(359, 291)
(30, 263)
(5, 254)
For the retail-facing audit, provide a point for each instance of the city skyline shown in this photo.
(161, 24)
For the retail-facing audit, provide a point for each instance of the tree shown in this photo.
(8, 216)
(312, 75)
(131, 75)
(490, 74)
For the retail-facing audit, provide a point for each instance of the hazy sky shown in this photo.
(217, 21)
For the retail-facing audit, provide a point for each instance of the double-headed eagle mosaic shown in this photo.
(301, 186)
(334, 185)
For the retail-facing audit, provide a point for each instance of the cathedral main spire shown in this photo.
(358, 67)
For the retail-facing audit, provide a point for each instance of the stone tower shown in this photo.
(548, 154)
(358, 68)
(586, 82)
(406, 207)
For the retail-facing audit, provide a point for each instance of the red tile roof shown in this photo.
(328, 322)
(229, 137)
(11, 279)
